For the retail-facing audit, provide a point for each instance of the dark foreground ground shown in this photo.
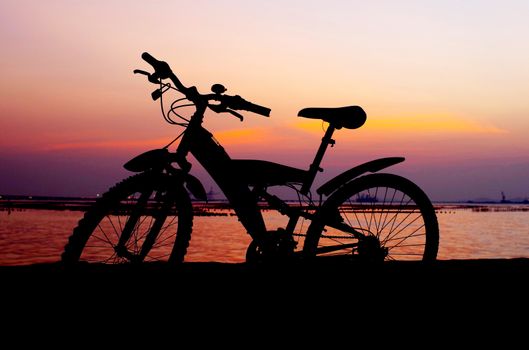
(395, 303)
(486, 277)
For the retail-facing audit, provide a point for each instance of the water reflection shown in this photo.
(37, 236)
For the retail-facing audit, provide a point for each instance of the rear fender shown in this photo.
(373, 166)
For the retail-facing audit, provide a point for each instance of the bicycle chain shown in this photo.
(324, 236)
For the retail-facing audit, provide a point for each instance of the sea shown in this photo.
(467, 231)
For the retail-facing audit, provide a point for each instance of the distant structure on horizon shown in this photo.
(515, 200)
(503, 200)
(212, 195)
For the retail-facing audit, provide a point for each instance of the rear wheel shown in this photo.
(376, 217)
(147, 217)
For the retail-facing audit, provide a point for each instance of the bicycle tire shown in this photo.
(98, 232)
(389, 207)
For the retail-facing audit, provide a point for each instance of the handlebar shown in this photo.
(252, 107)
(163, 71)
(161, 68)
(238, 103)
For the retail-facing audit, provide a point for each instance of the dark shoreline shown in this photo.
(216, 207)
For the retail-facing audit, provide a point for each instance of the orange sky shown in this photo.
(443, 83)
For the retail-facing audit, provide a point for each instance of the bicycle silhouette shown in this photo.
(360, 213)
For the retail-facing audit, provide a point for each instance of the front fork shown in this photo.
(163, 202)
(131, 225)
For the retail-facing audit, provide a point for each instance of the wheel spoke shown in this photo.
(120, 226)
(408, 236)
(389, 209)
(404, 254)
(164, 229)
(114, 227)
(132, 223)
(157, 258)
(406, 245)
(160, 241)
(149, 227)
(388, 206)
(373, 204)
(113, 256)
(390, 236)
(412, 235)
(106, 239)
(394, 218)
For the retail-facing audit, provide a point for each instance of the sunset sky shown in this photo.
(444, 83)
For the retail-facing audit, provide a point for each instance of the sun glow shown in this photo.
(410, 124)
(432, 123)
(99, 145)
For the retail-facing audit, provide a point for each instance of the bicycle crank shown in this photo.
(277, 246)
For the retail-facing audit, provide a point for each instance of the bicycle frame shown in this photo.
(236, 186)
(149, 216)
(224, 171)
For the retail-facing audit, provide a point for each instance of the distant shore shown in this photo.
(19, 203)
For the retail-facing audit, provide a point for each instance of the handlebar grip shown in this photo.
(147, 57)
(252, 107)
(161, 68)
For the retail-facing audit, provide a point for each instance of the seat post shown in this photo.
(315, 166)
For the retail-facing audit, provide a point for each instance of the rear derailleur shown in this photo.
(370, 250)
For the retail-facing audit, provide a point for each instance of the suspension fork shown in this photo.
(121, 249)
(160, 215)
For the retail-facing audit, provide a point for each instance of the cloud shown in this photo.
(98, 145)
(410, 124)
(437, 124)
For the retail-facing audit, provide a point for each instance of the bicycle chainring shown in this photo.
(277, 246)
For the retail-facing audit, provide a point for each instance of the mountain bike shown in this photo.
(360, 214)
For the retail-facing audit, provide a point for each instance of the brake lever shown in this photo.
(153, 78)
(139, 71)
(241, 118)
(222, 109)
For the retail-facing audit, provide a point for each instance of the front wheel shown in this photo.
(376, 217)
(147, 217)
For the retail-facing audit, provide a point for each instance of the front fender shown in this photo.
(153, 159)
(372, 166)
(158, 159)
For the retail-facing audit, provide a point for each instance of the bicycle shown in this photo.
(361, 213)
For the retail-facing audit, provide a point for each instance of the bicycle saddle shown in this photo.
(350, 117)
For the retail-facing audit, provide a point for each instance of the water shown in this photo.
(38, 236)
(500, 232)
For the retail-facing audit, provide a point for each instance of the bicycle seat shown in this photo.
(263, 173)
(350, 117)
